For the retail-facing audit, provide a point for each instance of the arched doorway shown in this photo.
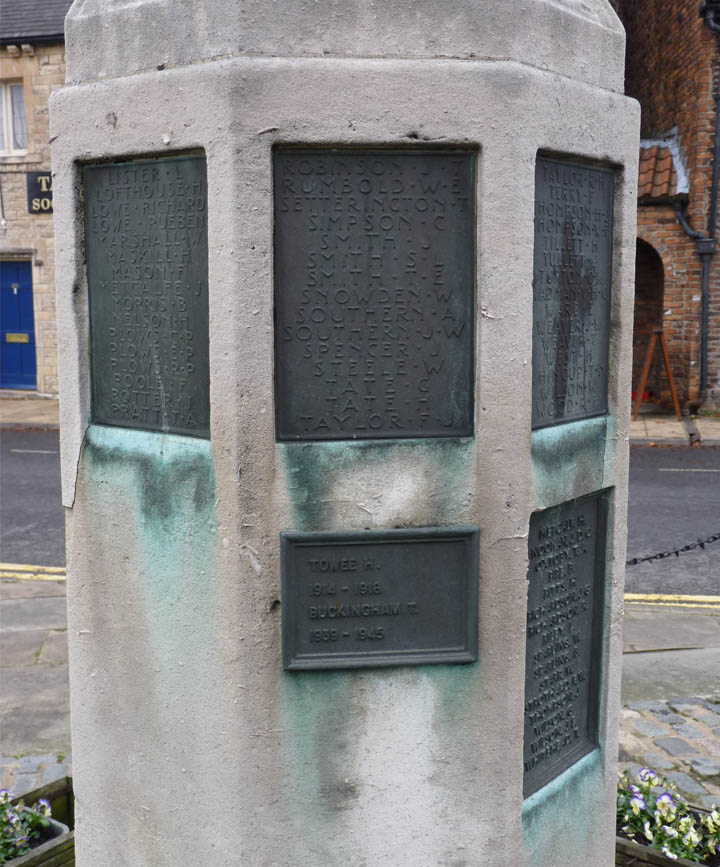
(649, 294)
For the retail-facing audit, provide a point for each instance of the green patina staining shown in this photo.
(456, 687)
(321, 716)
(312, 468)
(569, 459)
(551, 814)
(169, 482)
(170, 470)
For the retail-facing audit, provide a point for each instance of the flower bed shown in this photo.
(656, 824)
(30, 836)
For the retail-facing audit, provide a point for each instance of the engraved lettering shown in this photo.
(565, 581)
(376, 248)
(571, 291)
(146, 228)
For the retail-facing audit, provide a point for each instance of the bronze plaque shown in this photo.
(374, 293)
(147, 262)
(572, 282)
(564, 636)
(379, 597)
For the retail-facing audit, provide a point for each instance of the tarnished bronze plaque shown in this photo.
(571, 291)
(564, 636)
(147, 260)
(380, 597)
(374, 293)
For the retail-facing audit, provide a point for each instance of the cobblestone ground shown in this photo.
(679, 739)
(21, 774)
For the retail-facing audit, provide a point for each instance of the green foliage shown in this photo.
(652, 812)
(21, 827)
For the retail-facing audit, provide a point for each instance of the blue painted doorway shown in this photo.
(18, 367)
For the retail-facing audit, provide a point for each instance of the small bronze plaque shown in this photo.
(380, 597)
(374, 293)
(564, 636)
(147, 261)
(572, 282)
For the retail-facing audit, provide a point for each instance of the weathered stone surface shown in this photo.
(55, 648)
(710, 802)
(23, 783)
(592, 36)
(173, 545)
(658, 762)
(650, 704)
(705, 767)
(709, 745)
(688, 730)
(54, 772)
(667, 716)
(675, 746)
(708, 718)
(686, 784)
(646, 727)
(686, 707)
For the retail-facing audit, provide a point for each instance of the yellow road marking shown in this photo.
(676, 605)
(32, 573)
(669, 597)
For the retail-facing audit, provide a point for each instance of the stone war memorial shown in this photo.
(345, 310)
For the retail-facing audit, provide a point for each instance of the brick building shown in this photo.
(32, 64)
(672, 62)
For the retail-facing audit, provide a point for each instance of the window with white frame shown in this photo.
(13, 130)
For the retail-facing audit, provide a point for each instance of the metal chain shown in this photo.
(701, 543)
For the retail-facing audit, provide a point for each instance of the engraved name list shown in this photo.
(146, 231)
(566, 578)
(374, 293)
(571, 291)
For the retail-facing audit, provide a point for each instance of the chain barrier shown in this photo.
(701, 543)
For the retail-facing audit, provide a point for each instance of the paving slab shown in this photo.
(651, 704)
(53, 772)
(34, 709)
(14, 589)
(686, 784)
(646, 727)
(705, 767)
(29, 411)
(21, 615)
(21, 648)
(23, 783)
(662, 674)
(688, 730)
(658, 762)
(55, 648)
(657, 629)
(675, 746)
(710, 802)
(709, 745)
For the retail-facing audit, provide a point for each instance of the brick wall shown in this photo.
(680, 315)
(672, 61)
(649, 289)
(30, 236)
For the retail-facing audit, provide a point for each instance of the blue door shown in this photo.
(17, 326)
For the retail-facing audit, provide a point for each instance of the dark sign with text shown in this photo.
(572, 282)
(39, 192)
(146, 238)
(564, 636)
(374, 293)
(382, 597)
